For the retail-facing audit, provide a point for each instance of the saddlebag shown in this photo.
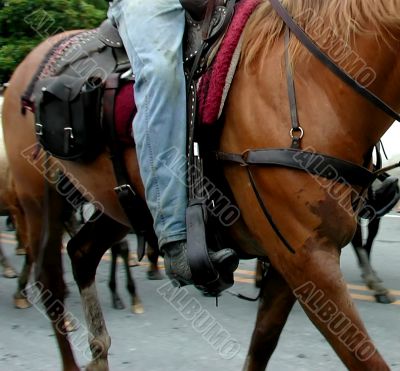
(68, 116)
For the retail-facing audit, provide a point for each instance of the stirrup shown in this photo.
(212, 271)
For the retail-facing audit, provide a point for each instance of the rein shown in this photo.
(295, 158)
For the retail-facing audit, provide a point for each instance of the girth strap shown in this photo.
(311, 162)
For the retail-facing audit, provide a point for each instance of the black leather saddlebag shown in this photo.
(68, 116)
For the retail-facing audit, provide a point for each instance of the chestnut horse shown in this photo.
(365, 37)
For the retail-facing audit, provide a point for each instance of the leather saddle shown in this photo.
(382, 197)
(206, 22)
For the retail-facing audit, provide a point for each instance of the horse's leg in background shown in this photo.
(259, 273)
(363, 252)
(276, 302)
(153, 273)
(137, 306)
(86, 250)
(20, 300)
(18, 217)
(373, 228)
(8, 270)
(117, 302)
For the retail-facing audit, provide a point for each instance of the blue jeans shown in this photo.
(152, 32)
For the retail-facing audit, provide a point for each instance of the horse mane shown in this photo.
(322, 20)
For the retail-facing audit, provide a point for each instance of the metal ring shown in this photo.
(300, 129)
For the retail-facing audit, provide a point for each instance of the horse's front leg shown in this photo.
(314, 275)
(86, 250)
(276, 302)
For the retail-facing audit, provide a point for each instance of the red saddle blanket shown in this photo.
(213, 86)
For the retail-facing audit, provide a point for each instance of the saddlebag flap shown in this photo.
(68, 116)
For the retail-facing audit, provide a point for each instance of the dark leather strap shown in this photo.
(267, 214)
(109, 35)
(313, 163)
(133, 205)
(195, 8)
(205, 27)
(329, 63)
(297, 132)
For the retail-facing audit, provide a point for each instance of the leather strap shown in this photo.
(297, 132)
(313, 163)
(329, 63)
(207, 18)
(133, 205)
(267, 214)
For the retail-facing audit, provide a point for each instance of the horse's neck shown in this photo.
(336, 119)
(343, 113)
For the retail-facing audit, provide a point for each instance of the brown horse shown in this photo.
(314, 218)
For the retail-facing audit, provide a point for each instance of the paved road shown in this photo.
(162, 339)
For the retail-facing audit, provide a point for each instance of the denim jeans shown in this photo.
(152, 32)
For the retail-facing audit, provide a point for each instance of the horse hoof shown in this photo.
(137, 308)
(154, 275)
(20, 251)
(70, 323)
(9, 273)
(98, 365)
(133, 261)
(118, 304)
(22, 303)
(384, 298)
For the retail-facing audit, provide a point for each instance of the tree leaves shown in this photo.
(25, 23)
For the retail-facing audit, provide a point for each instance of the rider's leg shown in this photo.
(152, 32)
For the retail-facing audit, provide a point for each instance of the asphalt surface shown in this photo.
(166, 338)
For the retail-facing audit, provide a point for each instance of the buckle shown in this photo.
(124, 187)
(39, 129)
(69, 132)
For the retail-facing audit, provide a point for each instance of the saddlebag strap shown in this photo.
(133, 205)
(329, 63)
(314, 163)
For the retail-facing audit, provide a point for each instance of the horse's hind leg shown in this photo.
(276, 301)
(117, 303)
(49, 273)
(314, 275)
(363, 253)
(137, 306)
(86, 250)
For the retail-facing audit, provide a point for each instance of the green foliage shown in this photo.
(25, 23)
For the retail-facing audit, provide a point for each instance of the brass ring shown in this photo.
(300, 129)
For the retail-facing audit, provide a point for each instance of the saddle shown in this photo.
(383, 195)
(72, 94)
